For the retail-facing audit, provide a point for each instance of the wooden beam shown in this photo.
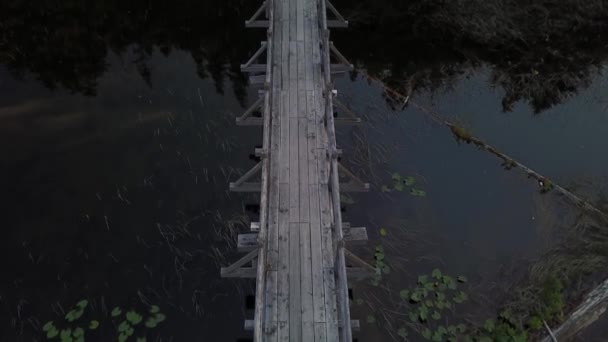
(257, 104)
(335, 11)
(257, 79)
(249, 187)
(255, 226)
(337, 23)
(354, 234)
(257, 24)
(340, 56)
(339, 67)
(257, 13)
(228, 271)
(246, 176)
(253, 68)
(255, 55)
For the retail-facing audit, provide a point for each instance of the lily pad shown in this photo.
(396, 176)
(427, 333)
(151, 323)
(462, 279)
(82, 304)
(385, 188)
(423, 279)
(78, 332)
(418, 192)
(124, 326)
(436, 274)
(489, 325)
(48, 326)
(402, 332)
(399, 186)
(404, 294)
(409, 181)
(160, 317)
(93, 325)
(140, 339)
(436, 315)
(116, 312)
(413, 316)
(134, 318)
(52, 333)
(383, 232)
(65, 334)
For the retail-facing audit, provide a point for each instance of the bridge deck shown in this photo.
(299, 255)
(300, 291)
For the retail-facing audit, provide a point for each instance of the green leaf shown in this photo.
(413, 316)
(423, 313)
(404, 294)
(396, 176)
(429, 286)
(437, 337)
(371, 319)
(436, 315)
(52, 333)
(399, 186)
(416, 297)
(383, 232)
(452, 329)
(82, 304)
(427, 333)
(130, 331)
(436, 274)
(460, 297)
(385, 188)
(140, 339)
(461, 327)
(133, 317)
(116, 311)
(151, 323)
(65, 333)
(78, 332)
(449, 282)
(423, 279)
(442, 330)
(418, 192)
(48, 326)
(489, 325)
(347, 200)
(462, 279)
(160, 317)
(124, 326)
(409, 181)
(94, 324)
(440, 296)
(428, 303)
(380, 248)
(484, 339)
(402, 332)
(122, 337)
(79, 339)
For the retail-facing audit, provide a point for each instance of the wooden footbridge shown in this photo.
(297, 251)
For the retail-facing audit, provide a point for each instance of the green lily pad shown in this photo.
(489, 325)
(82, 304)
(122, 337)
(402, 332)
(417, 192)
(462, 279)
(436, 274)
(160, 317)
(48, 326)
(409, 181)
(423, 279)
(385, 188)
(371, 319)
(116, 312)
(399, 186)
(151, 323)
(404, 294)
(133, 317)
(427, 333)
(383, 232)
(461, 328)
(416, 297)
(413, 316)
(52, 333)
(94, 324)
(396, 176)
(140, 339)
(124, 326)
(436, 315)
(65, 334)
(460, 297)
(73, 315)
(78, 332)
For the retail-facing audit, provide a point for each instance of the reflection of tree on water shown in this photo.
(64, 44)
(539, 52)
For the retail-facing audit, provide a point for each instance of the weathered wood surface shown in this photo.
(297, 247)
(300, 302)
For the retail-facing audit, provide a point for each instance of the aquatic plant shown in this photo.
(401, 183)
(380, 266)
(75, 329)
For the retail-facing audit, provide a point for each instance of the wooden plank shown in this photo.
(295, 305)
(331, 304)
(271, 312)
(243, 272)
(283, 332)
(300, 20)
(294, 171)
(354, 234)
(321, 332)
(254, 226)
(306, 281)
(225, 271)
(257, 24)
(284, 255)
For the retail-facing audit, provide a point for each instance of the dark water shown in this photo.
(118, 143)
